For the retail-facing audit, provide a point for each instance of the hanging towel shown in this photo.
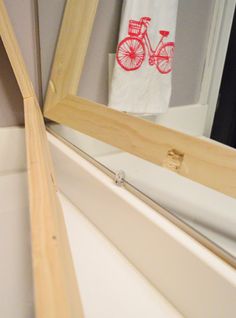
(141, 79)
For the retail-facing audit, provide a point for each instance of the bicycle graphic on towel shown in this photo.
(132, 50)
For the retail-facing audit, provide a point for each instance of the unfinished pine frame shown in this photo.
(208, 163)
(56, 291)
(55, 284)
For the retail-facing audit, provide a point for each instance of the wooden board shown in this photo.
(56, 290)
(55, 284)
(71, 49)
(211, 164)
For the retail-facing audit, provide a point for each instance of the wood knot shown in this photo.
(173, 160)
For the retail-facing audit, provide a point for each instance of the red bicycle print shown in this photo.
(131, 51)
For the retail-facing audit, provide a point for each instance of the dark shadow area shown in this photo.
(224, 126)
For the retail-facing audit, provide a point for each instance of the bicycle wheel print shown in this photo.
(130, 53)
(165, 58)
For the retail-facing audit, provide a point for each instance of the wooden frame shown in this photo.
(55, 284)
(208, 163)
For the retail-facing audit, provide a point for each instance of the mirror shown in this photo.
(166, 68)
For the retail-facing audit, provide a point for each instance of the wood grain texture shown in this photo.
(14, 53)
(71, 50)
(208, 163)
(56, 289)
(55, 284)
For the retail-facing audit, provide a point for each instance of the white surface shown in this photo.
(12, 149)
(190, 200)
(16, 294)
(196, 281)
(13, 191)
(180, 195)
(109, 285)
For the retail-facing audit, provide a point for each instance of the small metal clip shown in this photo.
(120, 178)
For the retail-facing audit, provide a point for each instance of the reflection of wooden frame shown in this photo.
(55, 284)
(210, 164)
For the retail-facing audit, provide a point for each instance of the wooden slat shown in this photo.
(55, 285)
(208, 163)
(56, 290)
(71, 49)
(11, 46)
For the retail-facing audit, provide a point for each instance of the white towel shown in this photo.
(141, 80)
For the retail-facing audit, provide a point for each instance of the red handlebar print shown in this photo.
(132, 50)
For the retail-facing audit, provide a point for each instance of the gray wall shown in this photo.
(11, 105)
(192, 32)
(22, 14)
(193, 21)
(94, 80)
(50, 16)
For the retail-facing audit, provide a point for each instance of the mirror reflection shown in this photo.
(164, 62)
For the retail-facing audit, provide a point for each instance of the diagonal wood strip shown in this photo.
(56, 291)
(55, 285)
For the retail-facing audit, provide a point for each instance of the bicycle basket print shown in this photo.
(132, 50)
